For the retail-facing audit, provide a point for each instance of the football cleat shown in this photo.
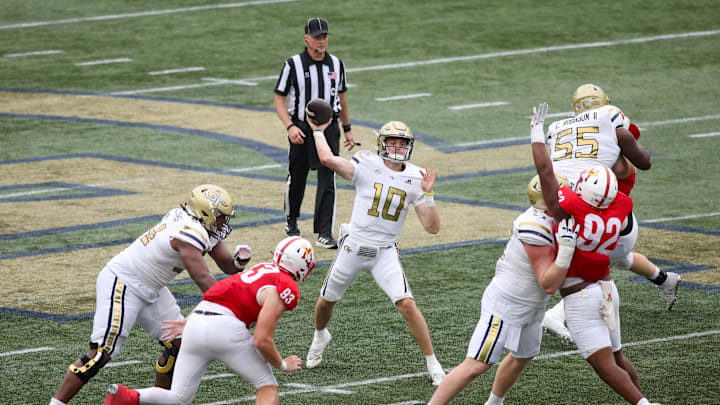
(669, 289)
(319, 343)
(554, 324)
(118, 394)
(327, 242)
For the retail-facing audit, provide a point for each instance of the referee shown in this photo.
(314, 73)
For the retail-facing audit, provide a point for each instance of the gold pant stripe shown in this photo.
(490, 340)
(117, 316)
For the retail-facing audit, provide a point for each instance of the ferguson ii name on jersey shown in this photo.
(598, 235)
(585, 140)
(239, 292)
(150, 263)
(382, 198)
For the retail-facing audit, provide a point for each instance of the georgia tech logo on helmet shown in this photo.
(214, 197)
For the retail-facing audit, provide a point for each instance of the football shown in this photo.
(319, 111)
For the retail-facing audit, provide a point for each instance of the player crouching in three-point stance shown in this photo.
(386, 184)
(218, 329)
(132, 288)
(591, 300)
(513, 304)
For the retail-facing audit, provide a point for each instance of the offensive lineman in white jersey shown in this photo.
(132, 288)
(513, 304)
(386, 184)
(598, 133)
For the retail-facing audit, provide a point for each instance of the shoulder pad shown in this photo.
(194, 233)
(534, 227)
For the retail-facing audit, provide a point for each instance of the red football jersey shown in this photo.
(239, 292)
(626, 185)
(598, 235)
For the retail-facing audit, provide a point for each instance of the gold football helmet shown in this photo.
(588, 97)
(534, 191)
(394, 129)
(209, 202)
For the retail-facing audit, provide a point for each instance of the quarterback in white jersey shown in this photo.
(132, 287)
(513, 305)
(386, 184)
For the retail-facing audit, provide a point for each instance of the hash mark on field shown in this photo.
(463, 58)
(37, 349)
(679, 121)
(407, 403)
(103, 62)
(180, 70)
(312, 387)
(403, 97)
(466, 106)
(122, 363)
(706, 135)
(711, 214)
(141, 14)
(15, 55)
(414, 375)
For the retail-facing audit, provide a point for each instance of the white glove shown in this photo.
(537, 134)
(242, 255)
(566, 236)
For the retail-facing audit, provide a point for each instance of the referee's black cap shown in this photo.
(316, 26)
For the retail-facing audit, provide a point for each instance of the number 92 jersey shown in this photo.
(382, 198)
(585, 140)
(150, 263)
(240, 292)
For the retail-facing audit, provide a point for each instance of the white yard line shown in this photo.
(480, 105)
(122, 363)
(17, 55)
(141, 14)
(25, 351)
(706, 135)
(679, 121)
(414, 375)
(180, 70)
(464, 58)
(103, 62)
(693, 216)
(404, 97)
(229, 81)
(252, 169)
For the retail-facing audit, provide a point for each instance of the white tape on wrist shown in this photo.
(429, 201)
(318, 132)
(564, 257)
(283, 366)
(537, 135)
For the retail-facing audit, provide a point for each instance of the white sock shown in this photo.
(643, 401)
(494, 400)
(432, 361)
(54, 401)
(320, 333)
(656, 274)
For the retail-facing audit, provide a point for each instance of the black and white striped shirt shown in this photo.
(304, 79)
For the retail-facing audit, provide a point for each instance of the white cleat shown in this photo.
(556, 326)
(319, 343)
(437, 374)
(669, 289)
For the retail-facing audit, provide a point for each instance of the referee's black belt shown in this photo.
(199, 312)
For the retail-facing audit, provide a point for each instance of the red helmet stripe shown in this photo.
(282, 250)
(607, 184)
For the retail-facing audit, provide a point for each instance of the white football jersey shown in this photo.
(150, 263)
(585, 140)
(382, 198)
(513, 273)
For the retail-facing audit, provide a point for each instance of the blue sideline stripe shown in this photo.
(98, 225)
(277, 154)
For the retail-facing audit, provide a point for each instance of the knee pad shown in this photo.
(89, 366)
(167, 357)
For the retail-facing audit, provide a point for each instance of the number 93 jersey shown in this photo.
(150, 263)
(240, 292)
(382, 198)
(585, 140)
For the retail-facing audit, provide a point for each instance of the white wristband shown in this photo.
(429, 201)
(318, 132)
(564, 257)
(537, 135)
(283, 366)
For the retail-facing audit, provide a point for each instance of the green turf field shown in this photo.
(94, 149)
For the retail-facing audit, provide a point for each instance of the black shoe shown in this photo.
(326, 241)
(291, 228)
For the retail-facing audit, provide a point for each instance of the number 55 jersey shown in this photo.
(585, 140)
(239, 292)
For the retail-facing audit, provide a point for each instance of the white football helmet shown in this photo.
(534, 191)
(597, 186)
(588, 97)
(394, 129)
(295, 256)
(209, 202)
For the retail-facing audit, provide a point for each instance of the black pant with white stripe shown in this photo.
(301, 159)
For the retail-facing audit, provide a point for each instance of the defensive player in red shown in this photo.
(591, 299)
(254, 298)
